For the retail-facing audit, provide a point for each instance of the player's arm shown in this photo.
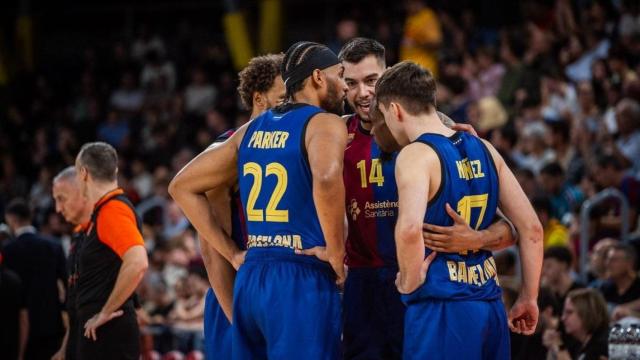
(220, 272)
(325, 140)
(461, 237)
(514, 203)
(413, 167)
(213, 168)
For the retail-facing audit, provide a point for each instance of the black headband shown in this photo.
(320, 58)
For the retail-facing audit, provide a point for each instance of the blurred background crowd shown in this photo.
(553, 84)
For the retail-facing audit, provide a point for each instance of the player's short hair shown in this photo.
(559, 253)
(67, 174)
(358, 48)
(258, 76)
(408, 84)
(591, 308)
(100, 159)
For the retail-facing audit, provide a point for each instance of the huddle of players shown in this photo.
(264, 203)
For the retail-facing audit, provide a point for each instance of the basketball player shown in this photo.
(455, 307)
(261, 88)
(285, 306)
(372, 309)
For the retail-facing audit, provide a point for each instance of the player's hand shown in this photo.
(337, 263)
(523, 316)
(464, 127)
(318, 251)
(451, 239)
(238, 259)
(98, 320)
(403, 285)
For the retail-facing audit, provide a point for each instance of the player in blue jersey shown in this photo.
(454, 309)
(261, 87)
(288, 163)
(373, 312)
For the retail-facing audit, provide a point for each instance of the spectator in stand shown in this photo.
(586, 320)
(533, 152)
(556, 272)
(40, 264)
(486, 80)
(564, 196)
(127, 98)
(200, 95)
(555, 234)
(623, 285)
(566, 155)
(14, 327)
(115, 130)
(598, 262)
(608, 172)
(627, 147)
(422, 36)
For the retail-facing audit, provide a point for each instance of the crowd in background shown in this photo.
(557, 94)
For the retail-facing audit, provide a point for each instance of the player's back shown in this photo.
(470, 185)
(276, 183)
(274, 288)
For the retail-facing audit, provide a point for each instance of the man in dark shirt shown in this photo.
(40, 264)
(75, 208)
(111, 262)
(623, 285)
(14, 327)
(556, 273)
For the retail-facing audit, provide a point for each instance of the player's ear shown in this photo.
(396, 110)
(258, 99)
(318, 77)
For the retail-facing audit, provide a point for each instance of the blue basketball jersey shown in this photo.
(470, 186)
(276, 183)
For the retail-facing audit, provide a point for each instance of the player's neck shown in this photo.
(429, 123)
(306, 97)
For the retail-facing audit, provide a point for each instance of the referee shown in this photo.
(112, 261)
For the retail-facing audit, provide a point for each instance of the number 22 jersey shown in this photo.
(276, 182)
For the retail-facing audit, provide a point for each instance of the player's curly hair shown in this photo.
(258, 76)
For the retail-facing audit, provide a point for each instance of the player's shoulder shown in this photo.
(326, 120)
(417, 152)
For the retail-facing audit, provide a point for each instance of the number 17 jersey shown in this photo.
(275, 181)
(470, 185)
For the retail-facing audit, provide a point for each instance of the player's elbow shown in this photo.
(534, 231)
(408, 232)
(331, 175)
(175, 186)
